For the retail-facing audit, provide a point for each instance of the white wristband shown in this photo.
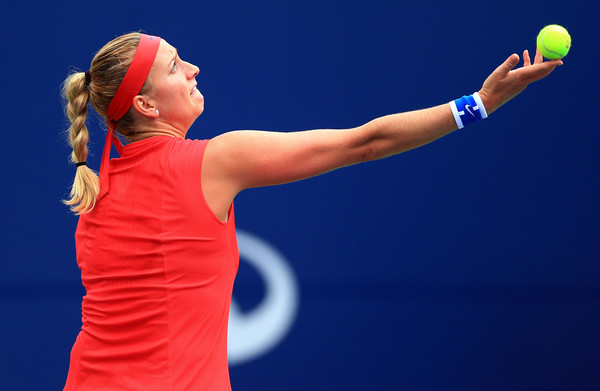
(480, 104)
(456, 115)
(468, 110)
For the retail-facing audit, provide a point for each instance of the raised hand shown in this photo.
(505, 82)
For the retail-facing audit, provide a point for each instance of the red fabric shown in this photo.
(158, 267)
(105, 162)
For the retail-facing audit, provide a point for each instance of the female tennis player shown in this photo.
(155, 240)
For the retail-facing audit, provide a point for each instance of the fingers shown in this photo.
(538, 71)
(511, 61)
(508, 65)
(526, 58)
(539, 75)
(506, 82)
(538, 57)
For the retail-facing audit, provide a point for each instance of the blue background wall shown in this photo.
(469, 264)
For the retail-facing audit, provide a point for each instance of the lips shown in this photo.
(194, 90)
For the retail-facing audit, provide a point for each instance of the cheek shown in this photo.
(173, 99)
(171, 94)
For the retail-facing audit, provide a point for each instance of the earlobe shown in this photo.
(143, 107)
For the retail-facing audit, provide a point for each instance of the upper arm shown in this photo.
(239, 160)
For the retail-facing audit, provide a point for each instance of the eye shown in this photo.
(174, 67)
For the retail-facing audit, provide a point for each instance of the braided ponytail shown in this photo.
(84, 191)
(107, 70)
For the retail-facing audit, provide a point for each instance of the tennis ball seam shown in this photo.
(544, 44)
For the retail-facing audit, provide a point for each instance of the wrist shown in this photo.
(488, 103)
(468, 110)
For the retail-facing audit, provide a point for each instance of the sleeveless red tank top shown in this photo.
(158, 268)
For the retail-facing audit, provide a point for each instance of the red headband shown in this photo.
(119, 105)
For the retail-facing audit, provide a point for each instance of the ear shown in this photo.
(143, 106)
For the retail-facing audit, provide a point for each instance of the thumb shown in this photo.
(510, 63)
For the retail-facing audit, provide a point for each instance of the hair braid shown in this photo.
(84, 191)
(107, 70)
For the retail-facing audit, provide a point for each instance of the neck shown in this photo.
(157, 129)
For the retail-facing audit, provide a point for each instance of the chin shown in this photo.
(199, 105)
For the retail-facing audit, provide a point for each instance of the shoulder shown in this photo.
(190, 144)
(187, 149)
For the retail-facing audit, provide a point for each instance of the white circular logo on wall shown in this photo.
(254, 333)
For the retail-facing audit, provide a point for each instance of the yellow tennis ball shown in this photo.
(554, 42)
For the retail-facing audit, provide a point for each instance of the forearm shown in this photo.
(397, 133)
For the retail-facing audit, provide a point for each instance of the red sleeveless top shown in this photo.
(158, 268)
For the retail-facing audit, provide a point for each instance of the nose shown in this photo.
(193, 70)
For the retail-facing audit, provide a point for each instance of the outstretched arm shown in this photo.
(243, 159)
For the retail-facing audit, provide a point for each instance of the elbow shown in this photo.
(368, 145)
(369, 152)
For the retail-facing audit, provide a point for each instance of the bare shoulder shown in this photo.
(217, 185)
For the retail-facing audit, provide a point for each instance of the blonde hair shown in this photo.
(107, 70)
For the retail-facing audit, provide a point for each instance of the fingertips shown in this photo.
(526, 58)
(512, 61)
(538, 57)
(554, 63)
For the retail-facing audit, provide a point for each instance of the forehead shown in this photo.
(166, 52)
